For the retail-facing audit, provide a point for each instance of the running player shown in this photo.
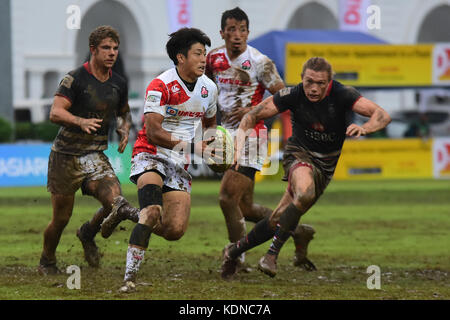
(319, 107)
(243, 74)
(86, 100)
(177, 103)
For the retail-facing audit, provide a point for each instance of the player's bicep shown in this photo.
(365, 107)
(59, 108)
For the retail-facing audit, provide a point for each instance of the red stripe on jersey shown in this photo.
(177, 95)
(329, 88)
(356, 102)
(142, 144)
(217, 62)
(258, 95)
(159, 85)
(63, 96)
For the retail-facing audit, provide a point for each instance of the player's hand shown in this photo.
(90, 125)
(356, 131)
(237, 114)
(123, 140)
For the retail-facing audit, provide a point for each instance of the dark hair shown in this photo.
(181, 41)
(318, 64)
(236, 13)
(103, 32)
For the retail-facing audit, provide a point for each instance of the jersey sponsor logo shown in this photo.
(171, 111)
(174, 112)
(204, 92)
(190, 114)
(320, 136)
(234, 82)
(246, 65)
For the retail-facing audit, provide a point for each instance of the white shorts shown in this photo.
(255, 153)
(175, 176)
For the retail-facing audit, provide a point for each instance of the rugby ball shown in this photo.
(220, 155)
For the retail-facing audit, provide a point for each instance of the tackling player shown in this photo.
(319, 107)
(243, 74)
(85, 101)
(177, 103)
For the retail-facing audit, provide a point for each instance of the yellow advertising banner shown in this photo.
(385, 159)
(366, 65)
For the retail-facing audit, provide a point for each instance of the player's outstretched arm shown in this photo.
(59, 113)
(378, 120)
(264, 110)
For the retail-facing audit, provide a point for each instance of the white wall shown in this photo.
(42, 42)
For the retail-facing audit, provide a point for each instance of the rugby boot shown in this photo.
(86, 236)
(243, 267)
(303, 235)
(229, 265)
(117, 215)
(47, 267)
(128, 287)
(268, 264)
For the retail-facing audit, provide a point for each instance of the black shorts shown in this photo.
(295, 156)
(246, 171)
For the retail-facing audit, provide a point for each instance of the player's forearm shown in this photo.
(124, 123)
(63, 117)
(379, 120)
(163, 138)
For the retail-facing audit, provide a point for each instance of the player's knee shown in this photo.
(227, 199)
(304, 198)
(61, 220)
(150, 215)
(174, 232)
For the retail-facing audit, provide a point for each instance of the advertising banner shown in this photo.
(385, 159)
(27, 164)
(441, 158)
(24, 164)
(353, 15)
(441, 64)
(366, 65)
(179, 13)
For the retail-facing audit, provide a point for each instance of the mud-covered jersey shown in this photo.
(182, 110)
(319, 127)
(90, 98)
(242, 81)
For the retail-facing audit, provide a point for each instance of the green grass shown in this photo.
(400, 226)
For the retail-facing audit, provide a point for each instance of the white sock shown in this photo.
(135, 256)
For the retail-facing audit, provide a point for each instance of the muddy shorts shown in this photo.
(295, 156)
(67, 173)
(175, 176)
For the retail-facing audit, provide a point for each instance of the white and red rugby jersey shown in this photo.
(182, 110)
(243, 81)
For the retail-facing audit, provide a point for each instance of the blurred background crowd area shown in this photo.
(43, 40)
